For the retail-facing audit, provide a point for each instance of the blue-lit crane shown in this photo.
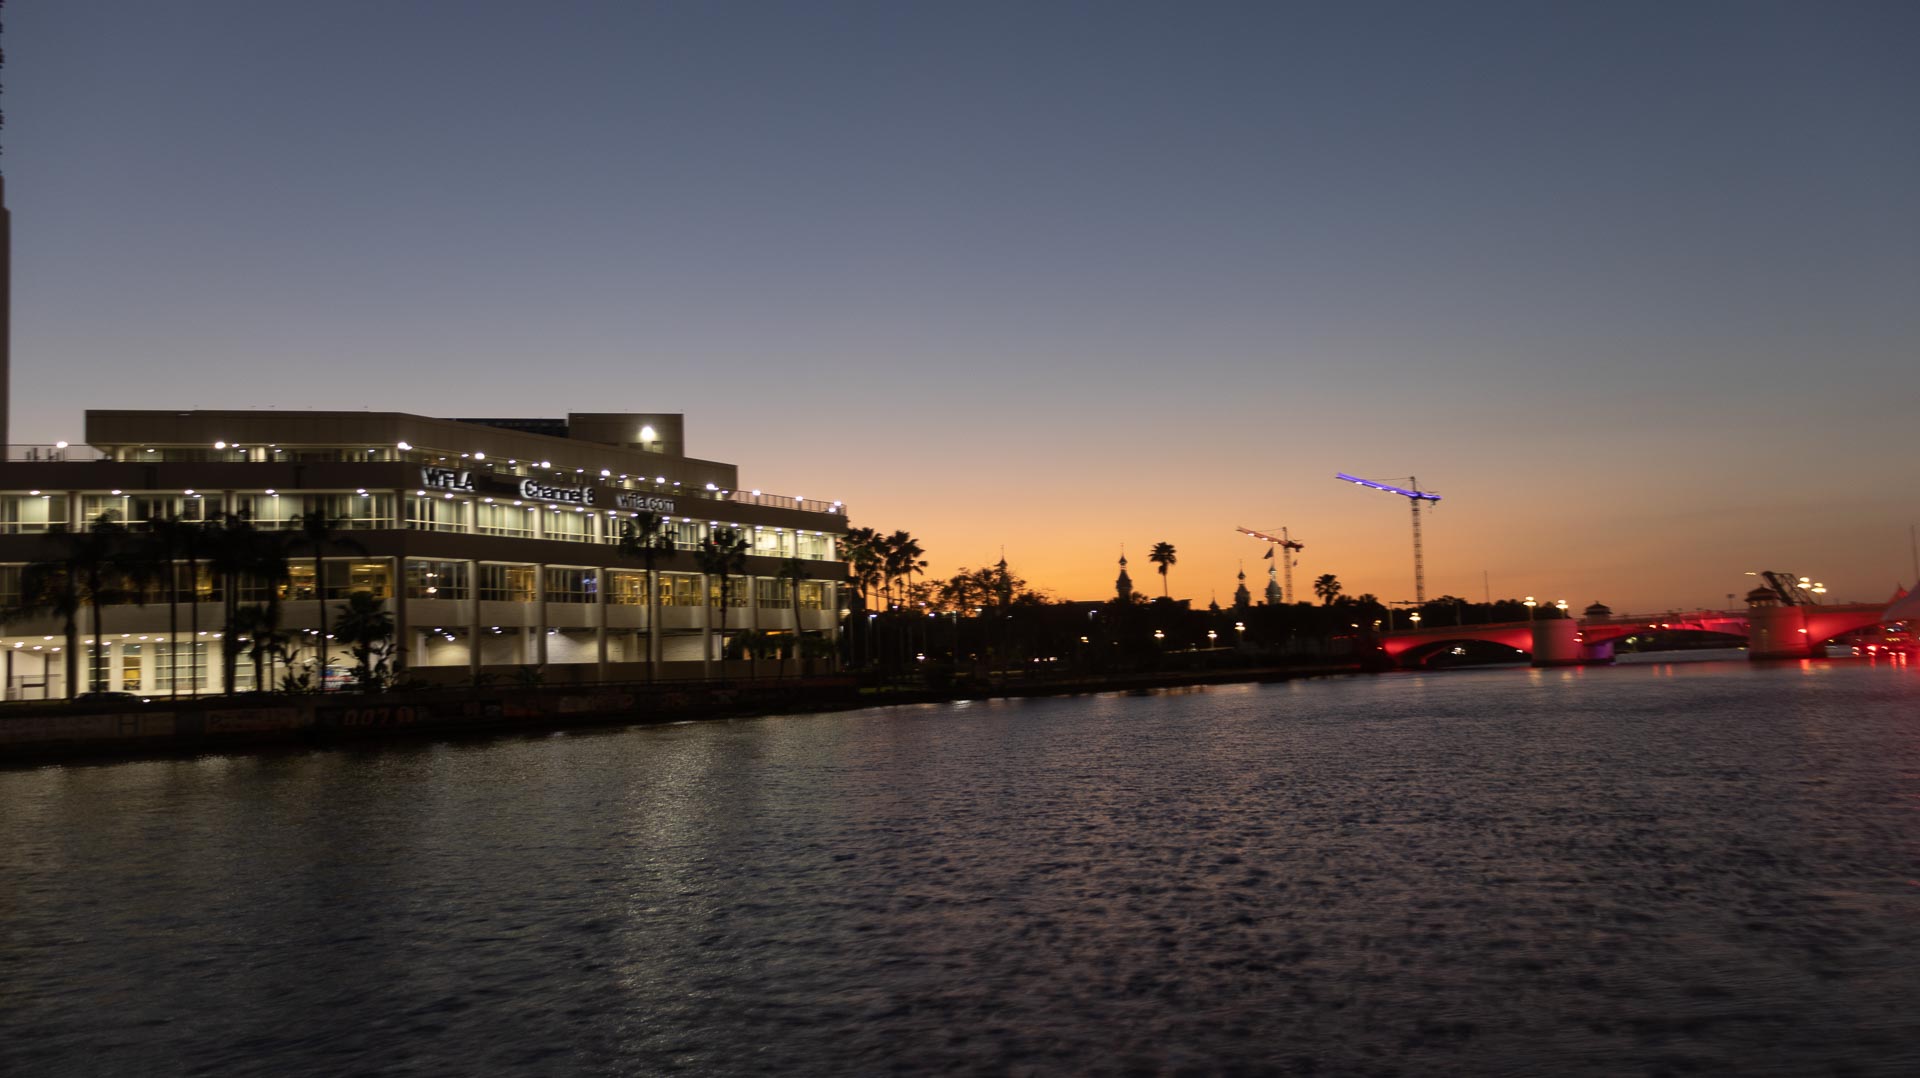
(1414, 496)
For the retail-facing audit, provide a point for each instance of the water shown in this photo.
(1664, 867)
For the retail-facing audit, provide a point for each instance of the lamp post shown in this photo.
(1562, 605)
(1530, 605)
(1415, 618)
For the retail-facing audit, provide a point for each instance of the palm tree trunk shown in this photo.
(653, 625)
(320, 595)
(193, 642)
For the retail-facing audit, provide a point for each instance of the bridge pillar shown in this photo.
(1780, 632)
(1556, 642)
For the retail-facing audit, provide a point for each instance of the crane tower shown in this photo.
(1286, 544)
(1414, 497)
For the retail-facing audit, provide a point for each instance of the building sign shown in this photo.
(535, 490)
(649, 502)
(446, 479)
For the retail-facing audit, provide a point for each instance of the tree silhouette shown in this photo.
(644, 537)
(1327, 587)
(722, 554)
(1163, 555)
(317, 532)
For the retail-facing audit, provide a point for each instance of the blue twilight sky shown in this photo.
(1636, 286)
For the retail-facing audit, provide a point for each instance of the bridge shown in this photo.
(1770, 632)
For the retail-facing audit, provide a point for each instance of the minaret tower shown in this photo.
(1242, 598)
(1123, 587)
(1274, 598)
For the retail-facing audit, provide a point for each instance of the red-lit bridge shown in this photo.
(1770, 632)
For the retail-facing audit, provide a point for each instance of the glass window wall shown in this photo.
(436, 579)
(569, 585)
(507, 583)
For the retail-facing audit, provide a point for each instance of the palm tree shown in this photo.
(260, 621)
(645, 537)
(1327, 587)
(167, 537)
(793, 571)
(319, 533)
(1162, 555)
(230, 558)
(367, 627)
(87, 569)
(722, 554)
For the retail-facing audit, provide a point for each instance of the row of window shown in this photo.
(454, 580)
(37, 512)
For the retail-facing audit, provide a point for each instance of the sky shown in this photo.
(1633, 286)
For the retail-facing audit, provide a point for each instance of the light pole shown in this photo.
(1562, 605)
(1415, 618)
(1530, 605)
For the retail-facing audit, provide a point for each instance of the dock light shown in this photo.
(219, 445)
(404, 447)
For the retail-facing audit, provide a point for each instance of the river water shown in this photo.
(1661, 867)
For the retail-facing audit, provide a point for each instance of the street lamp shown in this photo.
(1211, 637)
(1530, 605)
(1562, 604)
(1415, 618)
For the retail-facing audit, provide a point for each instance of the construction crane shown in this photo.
(1414, 496)
(1286, 544)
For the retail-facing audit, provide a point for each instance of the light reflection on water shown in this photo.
(1669, 865)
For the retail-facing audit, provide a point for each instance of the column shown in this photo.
(600, 621)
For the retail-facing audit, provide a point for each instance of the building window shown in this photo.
(95, 506)
(507, 583)
(32, 512)
(499, 518)
(679, 589)
(771, 593)
(565, 585)
(773, 542)
(686, 534)
(346, 577)
(626, 588)
(567, 524)
(436, 579)
(435, 513)
(813, 546)
(813, 594)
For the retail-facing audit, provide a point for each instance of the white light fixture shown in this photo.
(647, 434)
(404, 447)
(219, 445)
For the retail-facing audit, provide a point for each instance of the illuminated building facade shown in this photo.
(493, 543)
